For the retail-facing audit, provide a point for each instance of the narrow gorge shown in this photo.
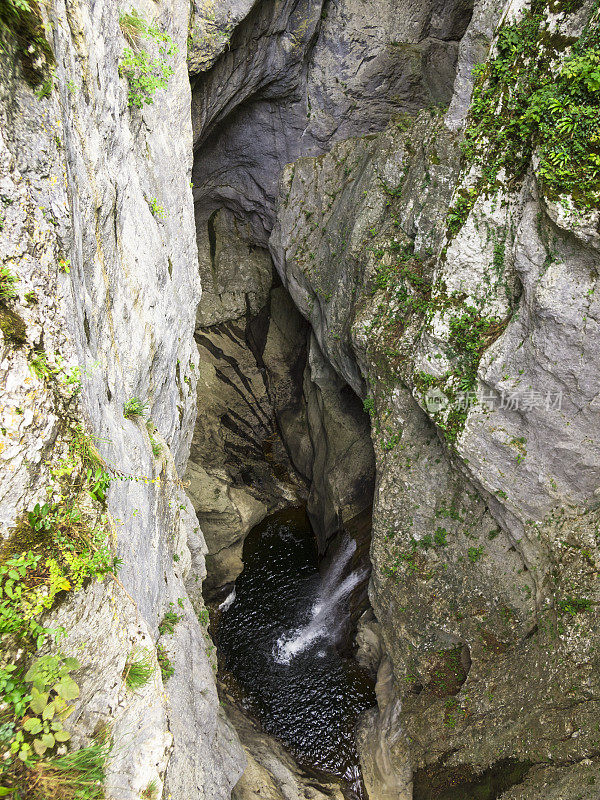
(299, 369)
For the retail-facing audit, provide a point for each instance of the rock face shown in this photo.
(298, 76)
(271, 772)
(484, 553)
(350, 261)
(292, 79)
(276, 426)
(109, 287)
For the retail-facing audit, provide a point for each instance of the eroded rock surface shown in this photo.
(276, 426)
(110, 288)
(322, 145)
(272, 773)
(483, 522)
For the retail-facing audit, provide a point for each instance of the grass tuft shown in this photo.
(74, 776)
(134, 408)
(133, 27)
(138, 669)
(151, 791)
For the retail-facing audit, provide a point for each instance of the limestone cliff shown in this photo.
(235, 236)
(102, 312)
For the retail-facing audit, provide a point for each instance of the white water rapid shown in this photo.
(323, 617)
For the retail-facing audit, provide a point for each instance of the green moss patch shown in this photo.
(532, 97)
(12, 326)
(22, 21)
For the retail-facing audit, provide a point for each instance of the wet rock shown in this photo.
(272, 773)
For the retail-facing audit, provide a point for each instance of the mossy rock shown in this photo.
(13, 326)
(25, 27)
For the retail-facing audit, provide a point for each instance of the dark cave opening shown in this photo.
(277, 431)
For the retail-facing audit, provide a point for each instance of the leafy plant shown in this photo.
(144, 73)
(134, 408)
(83, 445)
(475, 553)
(39, 365)
(15, 698)
(56, 547)
(458, 213)
(574, 605)
(20, 603)
(170, 619)
(138, 669)
(7, 284)
(391, 441)
(166, 668)
(52, 688)
(51, 368)
(98, 482)
(440, 537)
(470, 335)
(156, 208)
(39, 518)
(530, 99)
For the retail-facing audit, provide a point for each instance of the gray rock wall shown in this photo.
(80, 169)
(297, 77)
(482, 530)
(485, 550)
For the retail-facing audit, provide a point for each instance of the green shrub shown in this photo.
(52, 688)
(169, 621)
(133, 27)
(475, 553)
(156, 446)
(369, 406)
(458, 213)
(440, 537)
(574, 605)
(156, 208)
(529, 98)
(134, 408)
(56, 547)
(144, 73)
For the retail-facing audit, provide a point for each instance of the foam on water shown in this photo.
(323, 621)
(229, 600)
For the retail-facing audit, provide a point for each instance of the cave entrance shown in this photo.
(281, 474)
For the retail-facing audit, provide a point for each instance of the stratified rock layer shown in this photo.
(110, 287)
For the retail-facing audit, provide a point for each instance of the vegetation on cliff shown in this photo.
(57, 547)
(536, 101)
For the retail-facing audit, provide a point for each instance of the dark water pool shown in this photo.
(312, 703)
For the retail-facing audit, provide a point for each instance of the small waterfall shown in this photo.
(229, 600)
(322, 622)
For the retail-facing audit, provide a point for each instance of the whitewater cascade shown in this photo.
(323, 617)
